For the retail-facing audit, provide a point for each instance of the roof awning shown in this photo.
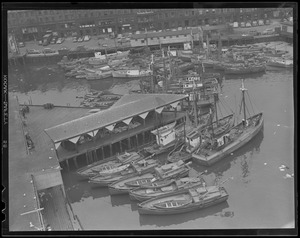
(124, 109)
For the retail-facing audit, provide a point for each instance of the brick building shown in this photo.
(29, 25)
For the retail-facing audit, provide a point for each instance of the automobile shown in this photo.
(268, 31)
(243, 24)
(248, 24)
(253, 33)
(40, 42)
(53, 41)
(245, 34)
(60, 40)
(254, 23)
(86, 38)
(80, 39)
(74, 39)
(21, 44)
(260, 22)
(104, 45)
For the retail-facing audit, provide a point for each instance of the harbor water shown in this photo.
(261, 195)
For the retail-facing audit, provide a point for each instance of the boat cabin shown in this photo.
(165, 135)
(193, 139)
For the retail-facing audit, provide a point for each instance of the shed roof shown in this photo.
(166, 33)
(128, 106)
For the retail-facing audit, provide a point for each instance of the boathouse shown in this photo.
(126, 126)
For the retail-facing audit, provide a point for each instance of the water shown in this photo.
(260, 195)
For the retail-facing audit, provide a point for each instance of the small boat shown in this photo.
(97, 75)
(214, 148)
(144, 193)
(173, 170)
(113, 170)
(121, 186)
(149, 183)
(184, 200)
(245, 69)
(134, 73)
(112, 162)
(282, 63)
(140, 167)
(180, 154)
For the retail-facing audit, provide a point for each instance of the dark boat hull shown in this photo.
(242, 140)
(184, 209)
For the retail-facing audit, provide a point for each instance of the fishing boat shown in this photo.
(180, 154)
(214, 148)
(167, 137)
(177, 169)
(282, 63)
(245, 69)
(98, 75)
(183, 200)
(149, 182)
(168, 171)
(140, 167)
(106, 164)
(122, 186)
(144, 193)
(133, 73)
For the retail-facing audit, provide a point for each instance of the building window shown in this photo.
(193, 13)
(142, 41)
(172, 14)
(186, 13)
(200, 12)
(207, 11)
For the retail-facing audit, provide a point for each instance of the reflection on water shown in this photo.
(167, 220)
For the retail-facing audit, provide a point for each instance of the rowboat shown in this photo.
(181, 154)
(144, 193)
(121, 186)
(282, 63)
(185, 200)
(107, 164)
(177, 169)
(149, 183)
(140, 167)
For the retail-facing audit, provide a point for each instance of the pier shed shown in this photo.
(126, 126)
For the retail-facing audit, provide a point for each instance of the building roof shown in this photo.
(127, 107)
(166, 33)
(216, 27)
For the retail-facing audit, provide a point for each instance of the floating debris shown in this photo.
(278, 124)
(231, 153)
(288, 176)
(274, 133)
(265, 163)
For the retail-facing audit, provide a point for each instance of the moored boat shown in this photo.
(112, 162)
(185, 200)
(133, 73)
(173, 170)
(144, 193)
(214, 148)
(245, 69)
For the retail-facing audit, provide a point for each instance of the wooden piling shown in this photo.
(75, 161)
(67, 163)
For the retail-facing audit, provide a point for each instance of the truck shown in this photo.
(47, 39)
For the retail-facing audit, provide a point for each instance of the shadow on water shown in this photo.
(167, 220)
(76, 188)
(119, 200)
(252, 147)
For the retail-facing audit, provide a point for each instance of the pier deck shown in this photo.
(22, 163)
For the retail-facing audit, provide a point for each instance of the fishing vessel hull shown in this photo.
(120, 187)
(188, 207)
(244, 139)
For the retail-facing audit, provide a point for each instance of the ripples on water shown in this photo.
(260, 196)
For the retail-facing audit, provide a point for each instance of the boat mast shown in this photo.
(152, 77)
(163, 56)
(195, 105)
(215, 103)
(243, 89)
